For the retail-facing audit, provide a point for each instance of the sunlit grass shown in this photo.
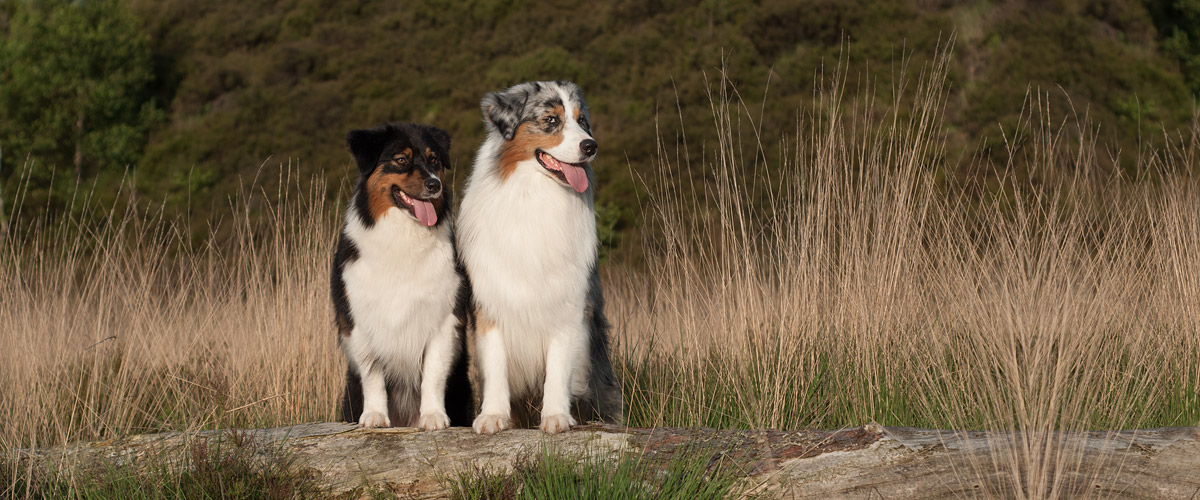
(686, 476)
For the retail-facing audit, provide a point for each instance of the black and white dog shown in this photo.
(527, 235)
(396, 284)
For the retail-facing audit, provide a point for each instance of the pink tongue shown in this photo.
(424, 212)
(576, 177)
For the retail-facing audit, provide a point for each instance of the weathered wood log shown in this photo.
(867, 462)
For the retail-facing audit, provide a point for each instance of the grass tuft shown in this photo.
(233, 466)
(685, 476)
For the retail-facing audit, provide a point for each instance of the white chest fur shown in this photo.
(401, 289)
(529, 243)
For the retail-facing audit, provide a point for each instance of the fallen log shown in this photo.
(868, 462)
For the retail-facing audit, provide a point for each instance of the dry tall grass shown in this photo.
(862, 291)
(117, 327)
(857, 289)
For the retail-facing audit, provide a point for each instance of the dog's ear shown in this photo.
(503, 109)
(366, 145)
(442, 139)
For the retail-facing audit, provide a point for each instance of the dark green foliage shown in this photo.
(1128, 90)
(249, 83)
(75, 93)
(287, 82)
(1178, 23)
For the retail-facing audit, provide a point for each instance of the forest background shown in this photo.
(187, 102)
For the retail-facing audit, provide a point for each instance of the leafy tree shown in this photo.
(1178, 23)
(75, 82)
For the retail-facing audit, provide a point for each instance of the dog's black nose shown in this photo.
(433, 185)
(588, 146)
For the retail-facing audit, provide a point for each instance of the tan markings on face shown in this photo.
(406, 154)
(526, 141)
(379, 190)
(578, 112)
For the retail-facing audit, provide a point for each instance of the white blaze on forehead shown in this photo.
(573, 134)
(570, 106)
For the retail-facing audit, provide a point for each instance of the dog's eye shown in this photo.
(583, 123)
(551, 120)
(432, 160)
(400, 160)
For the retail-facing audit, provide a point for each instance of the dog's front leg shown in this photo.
(562, 355)
(439, 356)
(496, 411)
(375, 413)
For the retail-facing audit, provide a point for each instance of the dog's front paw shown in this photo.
(374, 419)
(554, 424)
(491, 424)
(434, 421)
